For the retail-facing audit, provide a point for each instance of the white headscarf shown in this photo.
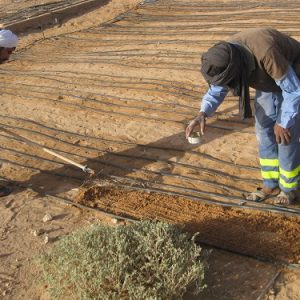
(8, 39)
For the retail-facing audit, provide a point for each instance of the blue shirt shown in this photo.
(290, 86)
(212, 99)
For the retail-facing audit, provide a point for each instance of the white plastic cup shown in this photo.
(195, 138)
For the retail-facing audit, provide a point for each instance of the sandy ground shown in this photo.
(114, 89)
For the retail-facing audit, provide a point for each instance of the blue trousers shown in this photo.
(280, 164)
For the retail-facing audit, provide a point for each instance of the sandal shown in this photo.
(285, 198)
(258, 196)
(4, 191)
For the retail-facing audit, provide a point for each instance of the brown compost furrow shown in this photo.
(24, 12)
(259, 234)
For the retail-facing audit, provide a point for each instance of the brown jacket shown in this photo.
(273, 52)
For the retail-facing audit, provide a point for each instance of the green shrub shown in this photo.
(146, 260)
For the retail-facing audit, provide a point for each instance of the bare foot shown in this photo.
(285, 198)
(271, 192)
(262, 194)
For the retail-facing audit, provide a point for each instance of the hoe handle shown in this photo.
(82, 167)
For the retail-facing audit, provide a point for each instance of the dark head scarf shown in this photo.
(225, 65)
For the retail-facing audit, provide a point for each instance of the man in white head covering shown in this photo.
(8, 43)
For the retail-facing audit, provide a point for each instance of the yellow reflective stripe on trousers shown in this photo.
(270, 174)
(267, 162)
(290, 174)
(288, 185)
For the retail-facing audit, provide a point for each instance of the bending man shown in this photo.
(268, 61)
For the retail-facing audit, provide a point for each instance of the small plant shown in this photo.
(146, 260)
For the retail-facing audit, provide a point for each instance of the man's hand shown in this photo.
(200, 121)
(283, 135)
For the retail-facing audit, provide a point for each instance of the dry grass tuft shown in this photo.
(146, 260)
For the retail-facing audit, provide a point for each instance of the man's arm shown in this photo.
(212, 99)
(210, 102)
(290, 86)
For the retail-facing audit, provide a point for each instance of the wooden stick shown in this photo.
(82, 167)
